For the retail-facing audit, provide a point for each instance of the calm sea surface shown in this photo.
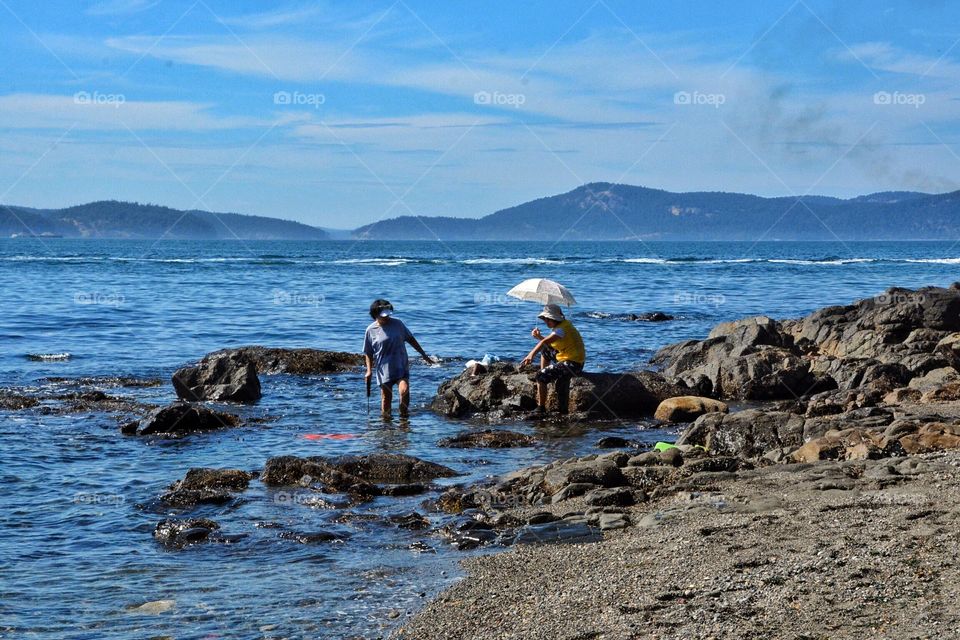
(78, 499)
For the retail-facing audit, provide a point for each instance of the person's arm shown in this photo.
(553, 337)
(416, 345)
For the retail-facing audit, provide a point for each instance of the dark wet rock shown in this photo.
(181, 418)
(90, 401)
(502, 393)
(206, 486)
(223, 378)
(12, 401)
(393, 468)
(614, 442)
(313, 537)
(180, 533)
(187, 498)
(468, 533)
(460, 499)
(355, 474)
(411, 520)
(488, 438)
(269, 360)
(408, 489)
(651, 316)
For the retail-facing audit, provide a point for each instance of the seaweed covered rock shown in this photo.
(488, 439)
(268, 360)
(353, 474)
(206, 486)
(181, 418)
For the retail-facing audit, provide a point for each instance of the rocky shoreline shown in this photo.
(818, 451)
(836, 549)
(827, 509)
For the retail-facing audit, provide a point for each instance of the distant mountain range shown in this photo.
(604, 211)
(111, 219)
(596, 211)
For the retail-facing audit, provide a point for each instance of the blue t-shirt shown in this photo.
(387, 346)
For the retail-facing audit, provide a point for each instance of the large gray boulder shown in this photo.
(748, 433)
(221, 378)
(870, 347)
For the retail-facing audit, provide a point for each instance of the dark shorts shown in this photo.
(559, 371)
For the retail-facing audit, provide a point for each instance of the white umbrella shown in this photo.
(543, 291)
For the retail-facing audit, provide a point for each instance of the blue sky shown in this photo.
(340, 114)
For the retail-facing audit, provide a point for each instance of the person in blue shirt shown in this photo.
(385, 353)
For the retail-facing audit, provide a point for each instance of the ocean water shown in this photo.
(78, 499)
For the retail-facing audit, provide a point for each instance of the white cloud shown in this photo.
(95, 110)
(884, 56)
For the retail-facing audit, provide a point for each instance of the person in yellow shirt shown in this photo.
(562, 356)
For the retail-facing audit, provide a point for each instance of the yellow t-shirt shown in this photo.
(570, 346)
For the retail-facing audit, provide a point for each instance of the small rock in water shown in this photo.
(154, 607)
(180, 533)
(652, 316)
(44, 357)
(489, 439)
(614, 442)
(412, 520)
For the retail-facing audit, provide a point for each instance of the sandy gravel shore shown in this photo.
(856, 549)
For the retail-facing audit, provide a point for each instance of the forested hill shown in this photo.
(112, 219)
(604, 211)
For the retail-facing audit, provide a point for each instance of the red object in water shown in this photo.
(329, 436)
